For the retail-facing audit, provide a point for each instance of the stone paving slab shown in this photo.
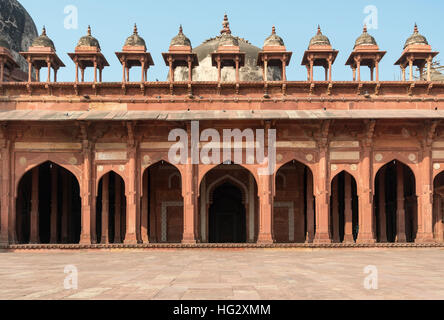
(206, 274)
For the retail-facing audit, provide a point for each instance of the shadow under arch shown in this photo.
(48, 205)
(161, 203)
(293, 214)
(344, 207)
(438, 206)
(228, 205)
(111, 208)
(395, 203)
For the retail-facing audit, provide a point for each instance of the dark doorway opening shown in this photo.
(227, 221)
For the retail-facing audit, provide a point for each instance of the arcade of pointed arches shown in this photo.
(48, 205)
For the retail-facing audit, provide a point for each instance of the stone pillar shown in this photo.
(335, 209)
(105, 208)
(117, 210)
(366, 217)
(6, 193)
(429, 69)
(87, 197)
(437, 212)
(382, 210)
(34, 234)
(310, 210)
(54, 204)
(65, 209)
(400, 211)
(323, 234)
(2, 70)
(348, 211)
(311, 70)
(425, 201)
(329, 69)
(377, 70)
(265, 187)
(131, 202)
(411, 69)
(190, 203)
(144, 213)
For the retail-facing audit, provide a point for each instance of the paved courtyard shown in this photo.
(224, 274)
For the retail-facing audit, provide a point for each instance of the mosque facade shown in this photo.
(88, 163)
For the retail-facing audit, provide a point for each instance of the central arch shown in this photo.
(228, 205)
(227, 215)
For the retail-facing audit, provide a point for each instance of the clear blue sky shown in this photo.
(341, 20)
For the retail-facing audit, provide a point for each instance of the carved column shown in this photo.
(366, 217)
(323, 234)
(348, 211)
(87, 224)
(2, 70)
(310, 209)
(335, 209)
(105, 208)
(6, 192)
(34, 234)
(425, 201)
(382, 210)
(131, 203)
(190, 204)
(265, 209)
(54, 204)
(400, 211)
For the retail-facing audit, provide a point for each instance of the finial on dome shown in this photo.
(44, 31)
(273, 30)
(89, 30)
(180, 29)
(365, 29)
(226, 25)
(135, 29)
(319, 29)
(415, 29)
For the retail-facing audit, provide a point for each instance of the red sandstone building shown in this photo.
(86, 162)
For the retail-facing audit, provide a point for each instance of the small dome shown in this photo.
(274, 39)
(226, 39)
(416, 38)
(180, 39)
(135, 40)
(43, 41)
(88, 40)
(365, 39)
(319, 40)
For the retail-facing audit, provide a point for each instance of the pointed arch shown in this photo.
(42, 159)
(48, 205)
(396, 205)
(222, 180)
(344, 207)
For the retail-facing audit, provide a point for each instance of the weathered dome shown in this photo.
(43, 41)
(180, 39)
(88, 40)
(17, 29)
(416, 38)
(274, 39)
(365, 39)
(319, 39)
(205, 71)
(135, 40)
